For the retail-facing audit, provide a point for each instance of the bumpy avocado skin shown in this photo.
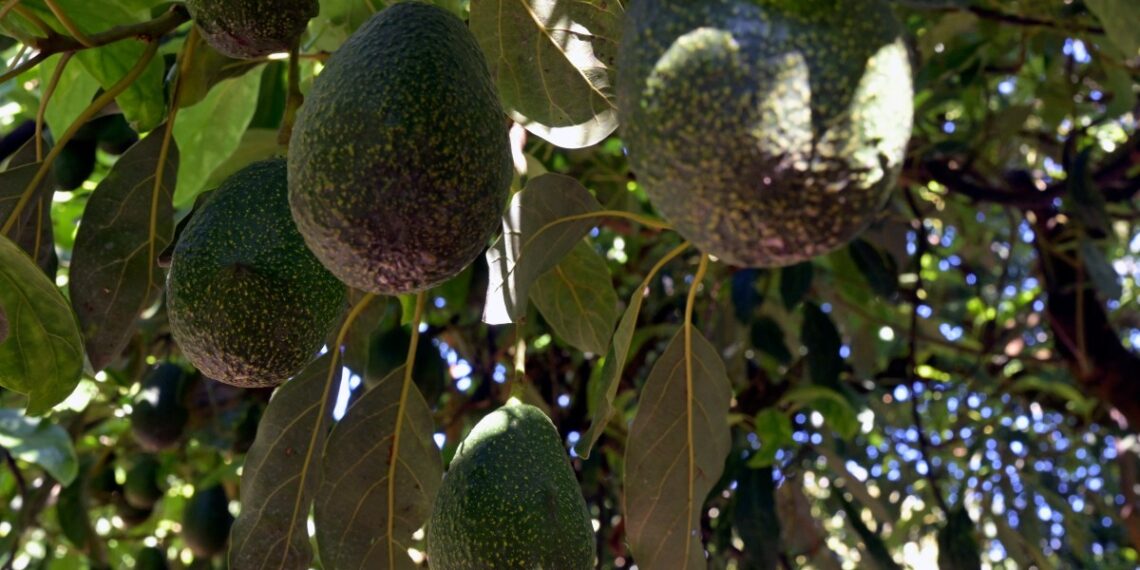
(400, 162)
(249, 29)
(510, 500)
(248, 303)
(767, 131)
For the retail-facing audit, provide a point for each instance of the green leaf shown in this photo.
(209, 132)
(255, 145)
(144, 102)
(127, 224)
(337, 20)
(3, 325)
(795, 282)
(578, 300)
(768, 337)
(281, 472)
(43, 355)
(554, 64)
(523, 254)
(832, 405)
(756, 520)
(876, 267)
(1103, 275)
(74, 93)
(822, 340)
(381, 474)
(33, 231)
(775, 431)
(1121, 19)
(39, 442)
(675, 454)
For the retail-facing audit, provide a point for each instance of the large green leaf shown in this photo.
(39, 442)
(578, 300)
(1121, 19)
(381, 474)
(128, 222)
(43, 354)
(534, 241)
(553, 62)
(282, 473)
(73, 94)
(675, 454)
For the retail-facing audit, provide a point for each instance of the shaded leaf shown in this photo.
(756, 519)
(775, 431)
(795, 282)
(578, 300)
(128, 222)
(522, 254)
(43, 354)
(1103, 275)
(553, 63)
(822, 340)
(768, 337)
(1121, 19)
(381, 474)
(39, 442)
(876, 267)
(281, 472)
(33, 230)
(745, 298)
(834, 407)
(675, 454)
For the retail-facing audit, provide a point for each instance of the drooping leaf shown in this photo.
(39, 442)
(822, 340)
(578, 300)
(795, 281)
(675, 454)
(1121, 19)
(282, 472)
(43, 354)
(1101, 272)
(33, 229)
(553, 63)
(533, 241)
(876, 267)
(128, 222)
(775, 431)
(209, 132)
(381, 474)
(756, 519)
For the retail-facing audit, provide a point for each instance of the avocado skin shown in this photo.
(151, 558)
(400, 163)
(763, 129)
(158, 417)
(510, 500)
(206, 521)
(248, 303)
(249, 29)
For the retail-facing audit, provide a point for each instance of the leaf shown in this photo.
(76, 89)
(831, 404)
(43, 354)
(768, 337)
(553, 62)
(822, 340)
(745, 298)
(795, 281)
(209, 132)
(337, 20)
(33, 230)
(3, 325)
(1121, 19)
(578, 300)
(1103, 275)
(281, 472)
(775, 431)
(39, 442)
(255, 145)
(675, 455)
(876, 267)
(756, 520)
(143, 103)
(126, 225)
(381, 474)
(523, 254)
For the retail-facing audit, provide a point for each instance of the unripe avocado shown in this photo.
(206, 521)
(158, 416)
(510, 500)
(767, 131)
(250, 29)
(141, 490)
(400, 163)
(249, 305)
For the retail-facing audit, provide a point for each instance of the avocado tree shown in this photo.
(666, 284)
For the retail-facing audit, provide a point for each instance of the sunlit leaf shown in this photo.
(578, 300)
(381, 474)
(834, 407)
(775, 431)
(128, 222)
(40, 442)
(675, 454)
(73, 94)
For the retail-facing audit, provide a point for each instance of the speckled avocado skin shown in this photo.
(249, 304)
(510, 500)
(400, 162)
(767, 131)
(249, 29)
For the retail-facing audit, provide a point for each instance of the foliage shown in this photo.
(963, 375)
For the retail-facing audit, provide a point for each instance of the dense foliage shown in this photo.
(958, 386)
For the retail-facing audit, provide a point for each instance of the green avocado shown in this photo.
(151, 558)
(400, 163)
(249, 305)
(767, 131)
(141, 489)
(249, 29)
(158, 416)
(206, 521)
(510, 500)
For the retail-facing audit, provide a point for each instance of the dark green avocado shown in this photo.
(158, 416)
(206, 521)
(510, 500)
(249, 29)
(767, 131)
(399, 165)
(249, 305)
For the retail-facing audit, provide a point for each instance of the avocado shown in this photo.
(158, 417)
(151, 558)
(400, 163)
(102, 486)
(141, 490)
(510, 499)
(767, 131)
(131, 516)
(249, 29)
(248, 303)
(206, 521)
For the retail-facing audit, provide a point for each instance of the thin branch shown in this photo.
(68, 24)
